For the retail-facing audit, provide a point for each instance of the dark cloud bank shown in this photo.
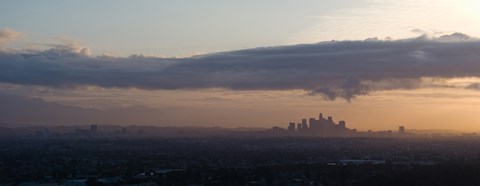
(336, 69)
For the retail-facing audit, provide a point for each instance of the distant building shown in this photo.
(291, 127)
(401, 129)
(342, 124)
(87, 132)
(278, 130)
(304, 124)
(93, 128)
(299, 126)
(311, 121)
(330, 119)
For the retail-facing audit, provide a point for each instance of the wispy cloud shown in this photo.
(341, 69)
(394, 19)
(8, 35)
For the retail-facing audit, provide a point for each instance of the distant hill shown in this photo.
(23, 111)
(434, 131)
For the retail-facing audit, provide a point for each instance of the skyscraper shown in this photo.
(291, 127)
(311, 121)
(304, 124)
(342, 124)
(401, 129)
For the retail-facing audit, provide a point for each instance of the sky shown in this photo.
(376, 64)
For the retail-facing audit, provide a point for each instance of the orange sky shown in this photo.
(430, 108)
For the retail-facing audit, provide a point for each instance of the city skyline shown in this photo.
(215, 92)
(375, 64)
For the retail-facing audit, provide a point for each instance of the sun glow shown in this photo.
(471, 8)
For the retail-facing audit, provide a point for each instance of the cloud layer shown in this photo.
(336, 69)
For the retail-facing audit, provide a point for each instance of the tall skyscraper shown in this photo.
(401, 129)
(304, 124)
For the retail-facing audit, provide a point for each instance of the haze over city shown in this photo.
(375, 64)
(252, 92)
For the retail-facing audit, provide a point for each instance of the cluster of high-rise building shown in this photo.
(320, 126)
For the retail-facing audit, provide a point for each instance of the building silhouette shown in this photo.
(304, 124)
(291, 127)
(401, 129)
(321, 126)
(93, 128)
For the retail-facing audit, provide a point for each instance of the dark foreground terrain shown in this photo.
(236, 161)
